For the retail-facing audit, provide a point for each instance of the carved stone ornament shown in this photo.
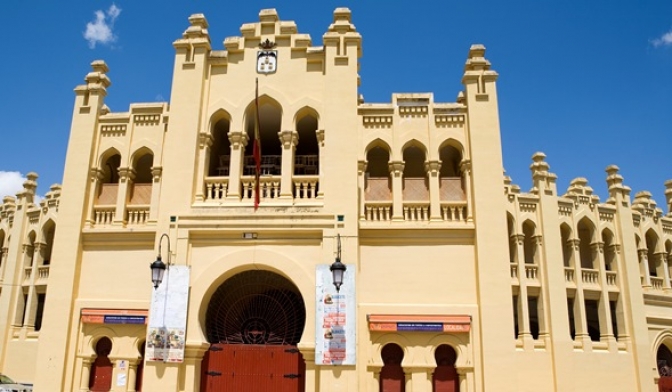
(267, 59)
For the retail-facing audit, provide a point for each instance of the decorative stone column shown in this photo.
(361, 180)
(463, 374)
(432, 168)
(604, 308)
(523, 311)
(465, 166)
(204, 147)
(662, 261)
(668, 197)
(126, 177)
(312, 370)
(396, 169)
(289, 139)
(193, 358)
(320, 145)
(644, 267)
(132, 374)
(580, 321)
(86, 374)
(96, 176)
(238, 141)
(156, 194)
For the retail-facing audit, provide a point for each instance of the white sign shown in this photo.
(335, 329)
(168, 317)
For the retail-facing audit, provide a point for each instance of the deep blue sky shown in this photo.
(586, 82)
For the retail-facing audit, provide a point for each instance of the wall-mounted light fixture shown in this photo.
(158, 267)
(337, 268)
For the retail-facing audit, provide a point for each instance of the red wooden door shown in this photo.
(253, 368)
(392, 379)
(445, 379)
(100, 379)
(665, 384)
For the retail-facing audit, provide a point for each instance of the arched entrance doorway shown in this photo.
(664, 364)
(253, 322)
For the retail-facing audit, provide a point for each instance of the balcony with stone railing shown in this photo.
(590, 278)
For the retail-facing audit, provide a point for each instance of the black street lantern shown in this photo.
(158, 267)
(337, 268)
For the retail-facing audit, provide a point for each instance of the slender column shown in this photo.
(665, 271)
(238, 142)
(376, 379)
(604, 309)
(312, 370)
(465, 166)
(126, 177)
(432, 168)
(289, 139)
(523, 311)
(644, 267)
(580, 322)
(541, 264)
(320, 158)
(156, 193)
(204, 144)
(3, 262)
(132, 374)
(408, 380)
(397, 171)
(361, 171)
(96, 176)
(86, 374)
(462, 373)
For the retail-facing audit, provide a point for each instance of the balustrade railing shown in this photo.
(378, 211)
(137, 214)
(43, 274)
(103, 215)
(656, 283)
(26, 273)
(514, 270)
(305, 187)
(454, 211)
(416, 211)
(611, 278)
(216, 188)
(532, 272)
(569, 275)
(590, 276)
(269, 187)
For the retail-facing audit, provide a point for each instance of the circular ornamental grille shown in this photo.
(256, 307)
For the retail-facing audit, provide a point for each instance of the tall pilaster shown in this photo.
(489, 213)
(54, 357)
(554, 288)
(631, 292)
(14, 264)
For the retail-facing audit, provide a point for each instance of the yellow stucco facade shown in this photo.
(412, 189)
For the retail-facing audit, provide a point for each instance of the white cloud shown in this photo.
(100, 29)
(663, 40)
(11, 183)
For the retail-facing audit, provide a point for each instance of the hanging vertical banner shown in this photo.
(335, 328)
(168, 317)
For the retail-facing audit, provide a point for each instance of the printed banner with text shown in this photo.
(335, 319)
(168, 317)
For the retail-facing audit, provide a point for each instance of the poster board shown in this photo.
(166, 332)
(336, 325)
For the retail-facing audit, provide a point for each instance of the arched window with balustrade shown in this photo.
(270, 121)
(109, 183)
(415, 185)
(655, 264)
(219, 160)
(378, 183)
(567, 248)
(451, 183)
(529, 244)
(586, 231)
(307, 154)
(610, 263)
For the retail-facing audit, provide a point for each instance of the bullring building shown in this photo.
(455, 278)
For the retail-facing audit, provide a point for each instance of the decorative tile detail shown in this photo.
(377, 121)
(113, 130)
(147, 119)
